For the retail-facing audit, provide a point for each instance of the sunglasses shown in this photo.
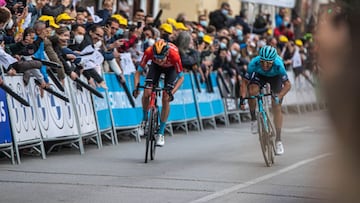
(266, 62)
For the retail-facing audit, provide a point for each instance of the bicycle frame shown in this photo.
(260, 103)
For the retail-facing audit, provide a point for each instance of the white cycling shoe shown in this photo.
(141, 129)
(160, 140)
(279, 148)
(254, 127)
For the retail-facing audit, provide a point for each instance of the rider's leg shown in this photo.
(164, 112)
(145, 103)
(253, 91)
(278, 119)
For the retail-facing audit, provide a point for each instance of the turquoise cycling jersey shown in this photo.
(277, 69)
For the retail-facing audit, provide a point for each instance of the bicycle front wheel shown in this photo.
(148, 139)
(264, 140)
(154, 115)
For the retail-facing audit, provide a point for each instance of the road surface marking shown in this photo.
(259, 179)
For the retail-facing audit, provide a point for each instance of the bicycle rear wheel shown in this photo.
(264, 140)
(153, 129)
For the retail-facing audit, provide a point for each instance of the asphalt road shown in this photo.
(222, 165)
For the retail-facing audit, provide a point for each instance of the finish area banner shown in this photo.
(279, 3)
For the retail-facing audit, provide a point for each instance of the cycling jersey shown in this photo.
(277, 69)
(172, 59)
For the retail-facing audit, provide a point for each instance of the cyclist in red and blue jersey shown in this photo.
(165, 59)
(267, 67)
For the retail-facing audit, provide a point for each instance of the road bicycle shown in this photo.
(266, 129)
(152, 124)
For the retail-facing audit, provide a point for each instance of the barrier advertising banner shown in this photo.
(124, 114)
(5, 134)
(55, 116)
(82, 104)
(102, 110)
(23, 119)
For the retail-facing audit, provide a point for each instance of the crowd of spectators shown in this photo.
(66, 33)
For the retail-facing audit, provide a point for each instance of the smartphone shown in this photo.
(139, 24)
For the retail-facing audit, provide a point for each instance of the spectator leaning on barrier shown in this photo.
(189, 56)
(59, 40)
(24, 50)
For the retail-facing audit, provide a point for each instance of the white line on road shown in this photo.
(259, 179)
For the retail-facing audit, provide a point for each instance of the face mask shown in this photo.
(52, 33)
(79, 38)
(9, 24)
(233, 52)
(239, 32)
(224, 11)
(201, 34)
(98, 44)
(119, 32)
(68, 27)
(222, 45)
(203, 23)
(151, 42)
(286, 23)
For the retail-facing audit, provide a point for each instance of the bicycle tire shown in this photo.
(271, 136)
(264, 141)
(153, 129)
(148, 138)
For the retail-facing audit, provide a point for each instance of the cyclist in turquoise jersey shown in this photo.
(267, 67)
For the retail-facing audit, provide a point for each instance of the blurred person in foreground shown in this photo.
(337, 43)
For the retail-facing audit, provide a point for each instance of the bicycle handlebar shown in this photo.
(158, 89)
(259, 96)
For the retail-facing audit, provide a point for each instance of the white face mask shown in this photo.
(10, 24)
(151, 42)
(79, 38)
(98, 44)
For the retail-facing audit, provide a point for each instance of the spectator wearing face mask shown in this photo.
(94, 40)
(219, 18)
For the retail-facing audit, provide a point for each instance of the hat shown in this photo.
(283, 39)
(180, 26)
(121, 19)
(167, 28)
(51, 20)
(171, 21)
(299, 43)
(63, 16)
(207, 39)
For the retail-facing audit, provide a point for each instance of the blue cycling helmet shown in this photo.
(268, 53)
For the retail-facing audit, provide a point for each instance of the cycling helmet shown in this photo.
(160, 49)
(267, 53)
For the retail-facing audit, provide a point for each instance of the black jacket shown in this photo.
(218, 19)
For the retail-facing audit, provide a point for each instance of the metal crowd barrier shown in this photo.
(87, 118)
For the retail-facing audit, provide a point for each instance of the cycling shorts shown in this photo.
(154, 73)
(276, 82)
